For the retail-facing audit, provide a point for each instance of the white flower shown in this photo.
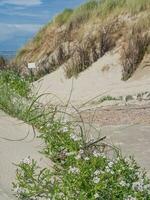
(19, 190)
(52, 180)
(112, 172)
(96, 195)
(48, 125)
(27, 161)
(74, 170)
(96, 154)
(123, 183)
(65, 129)
(110, 164)
(97, 172)
(108, 169)
(74, 137)
(139, 186)
(86, 158)
(96, 180)
(130, 198)
(81, 152)
(70, 153)
(78, 157)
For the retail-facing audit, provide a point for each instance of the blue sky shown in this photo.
(21, 19)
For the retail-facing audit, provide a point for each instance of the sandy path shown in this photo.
(14, 151)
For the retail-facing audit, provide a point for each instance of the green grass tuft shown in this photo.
(63, 17)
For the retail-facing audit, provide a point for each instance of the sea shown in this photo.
(8, 54)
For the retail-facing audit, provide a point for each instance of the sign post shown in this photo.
(31, 66)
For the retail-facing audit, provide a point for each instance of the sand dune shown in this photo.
(102, 78)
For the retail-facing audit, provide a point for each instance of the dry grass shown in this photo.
(92, 48)
(63, 17)
(71, 26)
(137, 44)
(2, 63)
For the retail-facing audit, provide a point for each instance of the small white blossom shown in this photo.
(139, 186)
(108, 169)
(96, 195)
(74, 137)
(48, 125)
(123, 183)
(52, 180)
(96, 154)
(86, 158)
(19, 190)
(130, 198)
(70, 153)
(97, 172)
(81, 152)
(65, 129)
(74, 170)
(27, 161)
(110, 164)
(112, 172)
(78, 157)
(96, 180)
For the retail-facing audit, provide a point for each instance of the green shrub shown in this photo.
(63, 17)
(81, 171)
(14, 82)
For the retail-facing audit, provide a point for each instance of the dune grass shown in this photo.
(63, 17)
(136, 46)
(103, 8)
(74, 22)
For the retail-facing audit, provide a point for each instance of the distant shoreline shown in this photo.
(8, 54)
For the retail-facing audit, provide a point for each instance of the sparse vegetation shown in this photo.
(2, 63)
(137, 44)
(81, 170)
(92, 49)
(107, 98)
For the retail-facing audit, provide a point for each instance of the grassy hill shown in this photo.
(77, 38)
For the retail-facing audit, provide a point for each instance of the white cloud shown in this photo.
(12, 30)
(21, 2)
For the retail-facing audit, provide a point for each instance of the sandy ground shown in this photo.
(101, 79)
(133, 140)
(14, 151)
(118, 115)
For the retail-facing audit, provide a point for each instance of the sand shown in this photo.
(101, 79)
(12, 152)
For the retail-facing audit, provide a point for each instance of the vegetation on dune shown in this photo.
(68, 32)
(63, 17)
(2, 62)
(81, 169)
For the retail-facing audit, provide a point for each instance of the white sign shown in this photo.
(31, 66)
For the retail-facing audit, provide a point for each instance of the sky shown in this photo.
(21, 19)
